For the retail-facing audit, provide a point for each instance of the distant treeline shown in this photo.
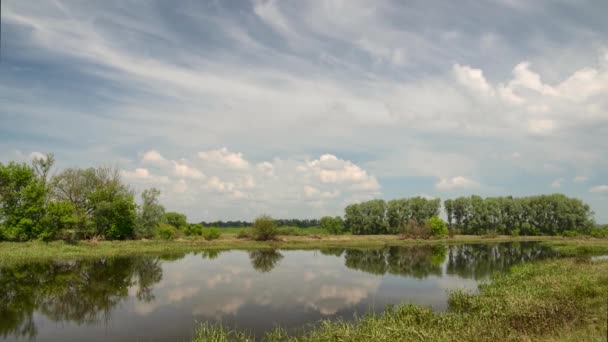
(554, 214)
(300, 223)
(535, 215)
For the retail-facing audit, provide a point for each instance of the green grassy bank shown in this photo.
(557, 300)
(17, 252)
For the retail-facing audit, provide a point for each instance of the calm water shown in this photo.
(162, 298)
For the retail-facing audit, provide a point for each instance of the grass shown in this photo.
(557, 300)
(20, 252)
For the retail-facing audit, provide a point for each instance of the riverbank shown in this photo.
(18, 252)
(556, 300)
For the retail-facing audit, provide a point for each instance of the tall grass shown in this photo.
(554, 300)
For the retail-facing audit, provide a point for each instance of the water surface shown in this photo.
(162, 298)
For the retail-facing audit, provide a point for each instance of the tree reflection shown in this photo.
(480, 260)
(475, 261)
(265, 260)
(79, 291)
(416, 261)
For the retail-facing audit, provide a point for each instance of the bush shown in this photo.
(211, 233)
(167, 232)
(569, 233)
(264, 228)
(596, 233)
(244, 233)
(415, 230)
(437, 226)
(193, 229)
(333, 225)
(515, 232)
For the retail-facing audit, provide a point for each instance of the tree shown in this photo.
(334, 225)
(22, 200)
(150, 213)
(264, 228)
(177, 220)
(437, 226)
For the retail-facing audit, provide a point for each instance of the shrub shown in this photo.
(193, 229)
(599, 233)
(569, 233)
(211, 233)
(264, 228)
(515, 232)
(333, 225)
(244, 233)
(415, 230)
(437, 226)
(167, 232)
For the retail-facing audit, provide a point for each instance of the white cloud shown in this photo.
(472, 78)
(223, 157)
(329, 169)
(266, 168)
(580, 179)
(153, 157)
(185, 171)
(599, 188)
(142, 175)
(455, 183)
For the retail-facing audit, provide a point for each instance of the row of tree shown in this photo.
(381, 217)
(75, 203)
(536, 215)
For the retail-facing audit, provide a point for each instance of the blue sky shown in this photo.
(297, 108)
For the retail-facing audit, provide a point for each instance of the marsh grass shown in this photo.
(557, 300)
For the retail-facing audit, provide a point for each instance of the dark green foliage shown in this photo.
(22, 201)
(380, 217)
(333, 225)
(59, 215)
(211, 233)
(536, 215)
(166, 232)
(193, 229)
(177, 220)
(264, 228)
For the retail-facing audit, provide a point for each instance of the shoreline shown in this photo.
(37, 251)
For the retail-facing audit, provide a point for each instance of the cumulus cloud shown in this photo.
(330, 169)
(224, 157)
(456, 183)
(185, 171)
(141, 175)
(153, 157)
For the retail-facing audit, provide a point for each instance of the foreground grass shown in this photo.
(21, 252)
(558, 300)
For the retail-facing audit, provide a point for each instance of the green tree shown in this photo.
(334, 225)
(264, 228)
(177, 220)
(437, 226)
(59, 215)
(22, 200)
(150, 213)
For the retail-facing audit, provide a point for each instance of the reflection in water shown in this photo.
(265, 260)
(480, 261)
(416, 261)
(131, 295)
(77, 291)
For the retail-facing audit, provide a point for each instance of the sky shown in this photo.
(297, 108)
